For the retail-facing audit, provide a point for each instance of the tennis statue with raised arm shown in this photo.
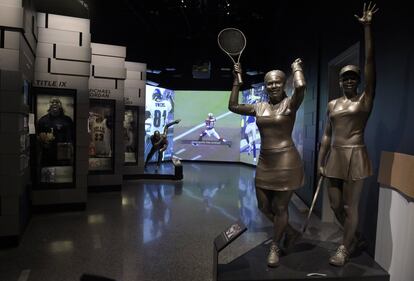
(280, 169)
(159, 143)
(343, 158)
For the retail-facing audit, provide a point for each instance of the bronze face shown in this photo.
(349, 82)
(275, 85)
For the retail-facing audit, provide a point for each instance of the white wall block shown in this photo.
(108, 50)
(69, 67)
(14, 3)
(394, 249)
(130, 83)
(69, 23)
(65, 52)
(48, 35)
(134, 75)
(102, 83)
(11, 16)
(12, 40)
(135, 66)
(68, 52)
(132, 96)
(44, 50)
(86, 40)
(108, 61)
(9, 59)
(41, 20)
(41, 65)
(108, 72)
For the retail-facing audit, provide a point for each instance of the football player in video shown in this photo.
(159, 143)
(209, 130)
(250, 135)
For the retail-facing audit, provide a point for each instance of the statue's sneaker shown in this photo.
(340, 257)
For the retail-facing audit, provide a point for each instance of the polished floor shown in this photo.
(152, 230)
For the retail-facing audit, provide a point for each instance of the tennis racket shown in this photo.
(232, 41)
(315, 196)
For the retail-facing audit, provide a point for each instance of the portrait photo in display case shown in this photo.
(101, 135)
(55, 137)
(130, 127)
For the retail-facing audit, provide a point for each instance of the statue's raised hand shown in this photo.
(367, 13)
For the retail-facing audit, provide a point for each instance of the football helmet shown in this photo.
(156, 95)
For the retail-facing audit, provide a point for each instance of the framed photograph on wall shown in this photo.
(55, 137)
(130, 133)
(101, 131)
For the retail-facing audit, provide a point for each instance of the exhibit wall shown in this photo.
(106, 116)
(18, 34)
(60, 104)
(134, 99)
(390, 126)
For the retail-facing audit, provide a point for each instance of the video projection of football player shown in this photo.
(100, 128)
(55, 134)
(208, 129)
(159, 111)
(250, 136)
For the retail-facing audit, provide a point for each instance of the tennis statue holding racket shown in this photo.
(280, 169)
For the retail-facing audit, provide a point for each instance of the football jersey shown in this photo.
(210, 123)
(159, 112)
(101, 136)
(148, 126)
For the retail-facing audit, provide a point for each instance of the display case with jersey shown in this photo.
(101, 133)
(130, 134)
(55, 138)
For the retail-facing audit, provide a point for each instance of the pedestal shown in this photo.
(308, 260)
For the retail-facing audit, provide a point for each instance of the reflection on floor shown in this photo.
(166, 168)
(152, 230)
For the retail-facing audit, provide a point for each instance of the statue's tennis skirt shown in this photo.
(348, 162)
(280, 169)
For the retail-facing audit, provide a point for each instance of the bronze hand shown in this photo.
(367, 14)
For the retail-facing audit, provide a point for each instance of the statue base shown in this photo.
(307, 260)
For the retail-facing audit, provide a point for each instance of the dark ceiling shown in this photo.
(182, 33)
